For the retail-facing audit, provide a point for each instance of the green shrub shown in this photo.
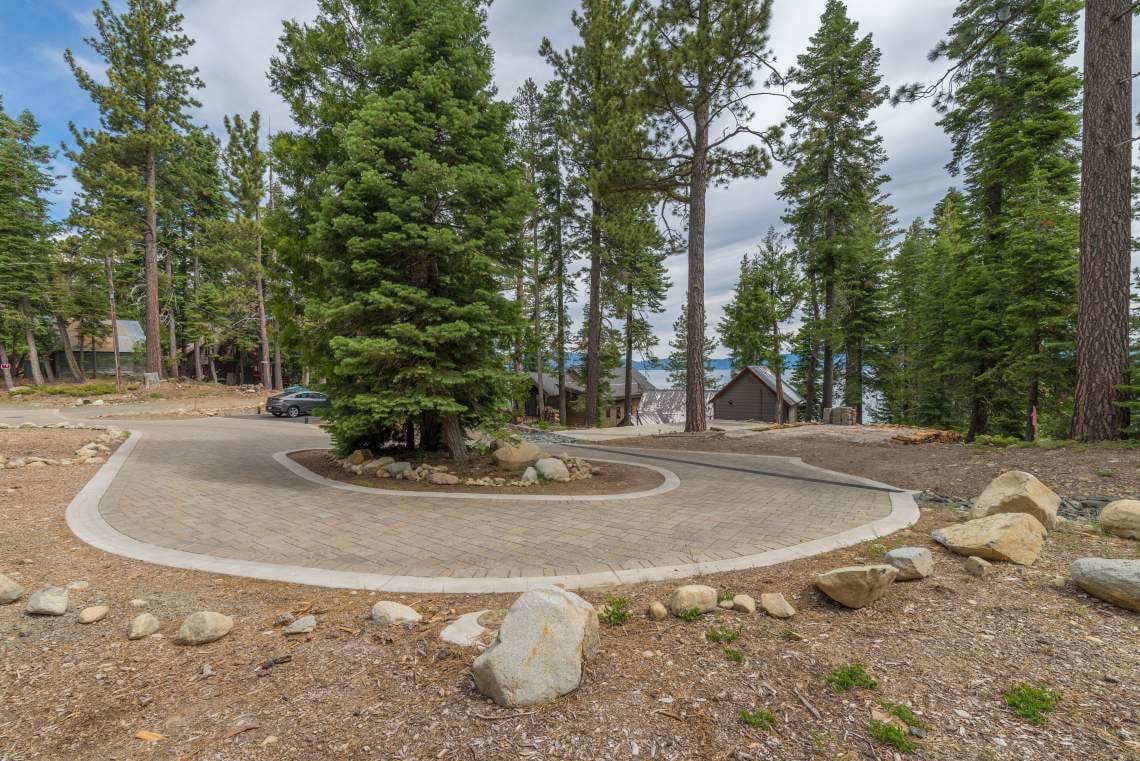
(21, 391)
(877, 549)
(902, 712)
(725, 595)
(889, 734)
(691, 614)
(1031, 702)
(616, 611)
(722, 634)
(851, 675)
(791, 635)
(95, 388)
(761, 718)
(733, 654)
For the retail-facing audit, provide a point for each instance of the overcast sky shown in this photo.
(235, 39)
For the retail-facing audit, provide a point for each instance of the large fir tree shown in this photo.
(409, 218)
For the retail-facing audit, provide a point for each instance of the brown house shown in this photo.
(751, 395)
(611, 406)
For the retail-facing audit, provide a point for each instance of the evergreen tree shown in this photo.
(896, 374)
(767, 296)
(25, 236)
(678, 368)
(701, 57)
(144, 102)
(836, 173)
(410, 216)
(606, 134)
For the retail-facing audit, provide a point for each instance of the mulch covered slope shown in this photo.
(947, 647)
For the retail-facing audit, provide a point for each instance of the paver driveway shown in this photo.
(208, 494)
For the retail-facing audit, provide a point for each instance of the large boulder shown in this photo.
(1122, 518)
(1114, 581)
(360, 456)
(912, 562)
(10, 591)
(1018, 492)
(204, 627)
(857, 586)
(518, 457)
(387, 613)
(546, 637)
(1011, 537)
(48, 601)
(552, 469)
(692, 596)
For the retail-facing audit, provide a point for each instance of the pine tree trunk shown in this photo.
(150, 266)
(262, 323)
(213, 367)
(33, 354)
(68, 351)
(1102, 312)
(627, 404)
(278, 380)
(594, 320)
(453, 438)
(198, 359)
(6, 367)
(537, 317)
(778, 368)
(828, 390)
(171, 321)
(695, 421)
(561, 331)
(410, 436)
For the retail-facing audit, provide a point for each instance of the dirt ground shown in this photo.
(194, 392)
(947, 647)
(958, 470)
(611, 478)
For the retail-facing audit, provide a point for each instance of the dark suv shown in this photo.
(295, 404)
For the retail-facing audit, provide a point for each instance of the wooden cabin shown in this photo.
(751, 395)
(611, 401)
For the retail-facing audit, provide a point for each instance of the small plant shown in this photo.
(904, 713)
(722, 634)
(791, 635)
(725, 595)
(616, 611)
(1031, 702)
(851, 675)
(733, 654)
(876, 549)
(690, 614)
(761, 718)
(889, 734)
(1104, 472)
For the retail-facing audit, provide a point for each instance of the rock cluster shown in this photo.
(91, 453)
(528, 466)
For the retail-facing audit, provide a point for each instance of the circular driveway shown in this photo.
(209, 494)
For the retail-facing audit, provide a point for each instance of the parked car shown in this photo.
(295, 404)
(293, 390)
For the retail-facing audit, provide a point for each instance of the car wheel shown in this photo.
(294, 411)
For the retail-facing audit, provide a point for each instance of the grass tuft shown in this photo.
(761, 718)
(691, 614)
(723, 634)
(616, 611)
(889, 734)
(733, 654)
(851, 675)
(1031, 702)
(902, 712)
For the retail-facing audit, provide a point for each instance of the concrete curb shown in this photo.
(87, 523)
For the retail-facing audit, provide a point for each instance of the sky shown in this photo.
(236, 38)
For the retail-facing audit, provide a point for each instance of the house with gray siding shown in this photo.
(751, 395)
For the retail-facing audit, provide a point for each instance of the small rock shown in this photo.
(443, 479)
(93, 614)
(79, 586)
(743, 604)
(387, 613)
(137, 603)
(10, 591)
(857, 586)
(529, 476)
(775, 605)
(657, 611)
(466, 631)
(725, 604)
(1122, 518)
(1114, 581)
(284, 619)
(979, 567)
(518, 457)
(359, 457)
(911, 562)
(398, 469)
(48, 601)
(690, 596)
(303, 625)
(204, 627)
(142, 625)
(552, 469)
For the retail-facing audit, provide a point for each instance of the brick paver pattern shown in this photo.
(212, 487)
